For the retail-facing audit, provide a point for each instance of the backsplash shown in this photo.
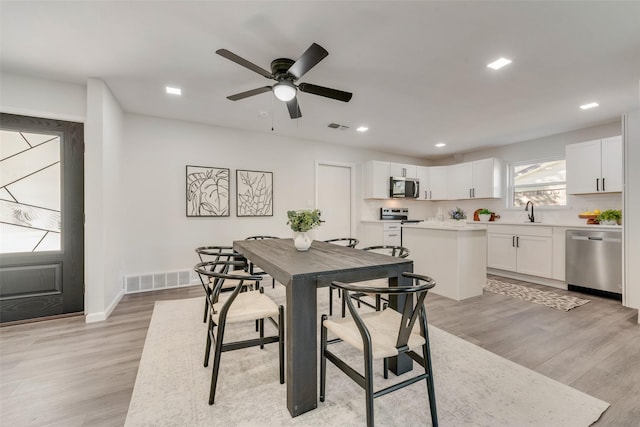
(420, 209)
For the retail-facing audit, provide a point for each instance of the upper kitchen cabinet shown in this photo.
(594, 166)
(406, 171)
(438, 183)
(433, 182)
(479, 179)
(376, 180)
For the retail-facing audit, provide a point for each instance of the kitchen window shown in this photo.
(541, 182)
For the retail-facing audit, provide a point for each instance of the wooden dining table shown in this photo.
(302, 273)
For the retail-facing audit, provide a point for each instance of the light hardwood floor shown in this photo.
(67, 373)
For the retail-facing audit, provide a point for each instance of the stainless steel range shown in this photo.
(400, 214)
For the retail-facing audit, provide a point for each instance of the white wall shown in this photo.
(159, 235)
(632, 204)
(104, 240)
(42, 98)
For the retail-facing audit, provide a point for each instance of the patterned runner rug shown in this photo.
(549, 299)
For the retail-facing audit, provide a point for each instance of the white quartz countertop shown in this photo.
(432, 225)
(471, 224)
(548, 224)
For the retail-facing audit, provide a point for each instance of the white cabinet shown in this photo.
(522, 249)
(423, 179)
(407, 171)
(376, 180)
(433, 182)
(438, 183)
(594, 166)
(392, 234)
(475, 180)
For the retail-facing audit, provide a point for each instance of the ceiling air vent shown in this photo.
(337, 126)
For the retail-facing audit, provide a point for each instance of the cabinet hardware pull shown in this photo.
(513, 241)
(517, 241)
(597, 184)
(470, 196)
(602, 184)
(430, 196)
(392, 235)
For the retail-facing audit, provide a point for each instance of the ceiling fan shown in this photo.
(286, 72)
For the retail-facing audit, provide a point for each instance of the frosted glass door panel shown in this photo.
(30, 215)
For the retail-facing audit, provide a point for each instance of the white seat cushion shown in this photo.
(251, 305)
(383, 327)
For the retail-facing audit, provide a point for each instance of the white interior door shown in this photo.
(334, 199)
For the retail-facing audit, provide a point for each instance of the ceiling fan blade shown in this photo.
(243, 95)
(325, 91)
(241, 61)
(308, 60)
(294, 108)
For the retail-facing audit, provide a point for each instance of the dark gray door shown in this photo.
(41, 217)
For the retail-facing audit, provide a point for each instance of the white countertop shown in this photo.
(563, 225)
(446, 225)
(432, 224)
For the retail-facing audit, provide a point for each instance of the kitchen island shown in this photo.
(455, 256)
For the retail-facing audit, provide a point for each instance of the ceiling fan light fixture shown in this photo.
(284, 91)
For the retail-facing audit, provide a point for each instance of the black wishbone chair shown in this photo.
(391, 250)
(241, 305)
(253, 269)
(349, 242)
(220, 253)
(380, 335)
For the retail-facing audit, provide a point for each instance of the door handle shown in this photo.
(470, 196)
(430, 196)
(603, 184)
(597, 184)
(513, 241)
(517, 241)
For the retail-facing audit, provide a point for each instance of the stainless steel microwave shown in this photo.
(404, 188)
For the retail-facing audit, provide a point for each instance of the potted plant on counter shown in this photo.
(301, 222)
(458, 216)
(484, 215)
(610, 217)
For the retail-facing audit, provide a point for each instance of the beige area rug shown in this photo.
(536, 296)
(473, 386)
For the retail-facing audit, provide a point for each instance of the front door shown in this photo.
(41, 217)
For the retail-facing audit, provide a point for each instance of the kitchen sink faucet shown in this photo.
(526, 208)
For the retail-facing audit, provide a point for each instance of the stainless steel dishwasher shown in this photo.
(594, 262)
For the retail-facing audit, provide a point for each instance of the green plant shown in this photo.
(610, 215)
(457, 214)
(303, 220)
(484, 211)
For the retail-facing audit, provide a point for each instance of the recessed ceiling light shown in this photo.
(499, 63)
(362, 129)
(589, 105)
(441, 144)
(173, 90)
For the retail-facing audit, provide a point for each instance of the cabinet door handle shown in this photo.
(470, 196)
(603, 184)
(474, 192)
(513, 241)
(597, 184)
(517, 241)
(430, 196)
(392, 235)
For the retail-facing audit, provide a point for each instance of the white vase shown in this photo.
(302, 240)
(484, 217)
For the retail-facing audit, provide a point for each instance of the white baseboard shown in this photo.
(104, 315)
(525, 277)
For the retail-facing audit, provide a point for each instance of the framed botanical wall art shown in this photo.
(207, 191)
(254, 193)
